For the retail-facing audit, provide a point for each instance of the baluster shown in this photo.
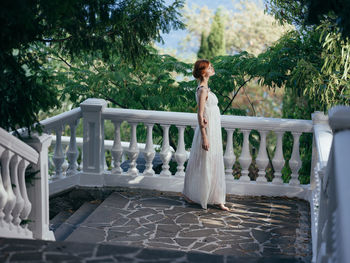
(73, 153)
(117, 149)
(278, 160)
(245, 159)
(58, 157)
(3, 193)
(295, 162)
(180, 155)
(229, 156)
(149, 152)
(165, 154)
(24, 213)
(262, 160)
(133, 151)
(17, 191)
(11, 198)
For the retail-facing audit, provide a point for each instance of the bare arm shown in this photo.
(202, 121)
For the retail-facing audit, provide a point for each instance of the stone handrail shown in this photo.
(190, 119)
(330, 187)
(23, 210)
(61, 119)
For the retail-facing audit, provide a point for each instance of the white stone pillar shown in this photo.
(262, 160)
(278, 159)
(58, 157)
(11, 198)
(180, 155)
(73, 153)
(165, 153)
(117, 150)
(133, 151)
(245, 159)
(295, 162)
(149, 151)
(17, 190)
(229, 156)
(38, 193)
(93, 141)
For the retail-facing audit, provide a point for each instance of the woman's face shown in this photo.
(210, 70)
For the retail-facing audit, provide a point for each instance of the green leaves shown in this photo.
(34, 32)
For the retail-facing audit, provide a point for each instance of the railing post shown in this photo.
(38, 191)
(93, 142)
(318, 118)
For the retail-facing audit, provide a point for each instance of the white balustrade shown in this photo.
(117, 149)
(133, 151)
(72, 152)
(149, 151)
(58, 157)
(15, 204)
(278, 159)
(229, 156)
(165, 153)
(328, 185)
(295, 162)
(245, 159)
(262, 159)
(180, 154)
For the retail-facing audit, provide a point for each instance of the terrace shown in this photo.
(138, 214)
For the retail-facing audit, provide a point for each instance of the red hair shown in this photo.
(199, 68)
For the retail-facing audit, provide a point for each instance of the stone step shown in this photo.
(69, 225)
(30, 250)
(59, 219)
(95, 218)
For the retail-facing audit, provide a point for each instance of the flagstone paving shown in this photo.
(254, 226)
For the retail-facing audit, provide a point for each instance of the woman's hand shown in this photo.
(204, 123)
(205, 143)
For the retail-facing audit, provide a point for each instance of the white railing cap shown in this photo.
(190, 119)
(61, 119)
(18, 147)
(339, 118)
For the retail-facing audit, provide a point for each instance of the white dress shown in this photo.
(205, 174)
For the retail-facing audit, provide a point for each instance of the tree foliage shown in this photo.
(214, 44)
(122, 27)
(313, 12)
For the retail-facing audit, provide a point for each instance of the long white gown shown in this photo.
(205, 174)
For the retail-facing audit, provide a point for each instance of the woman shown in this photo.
(205, 174)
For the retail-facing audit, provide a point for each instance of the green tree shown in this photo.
(216, 38)
(76, 27)
(203, 52)
(313, 12)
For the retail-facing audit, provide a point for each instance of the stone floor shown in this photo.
(254, 226)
